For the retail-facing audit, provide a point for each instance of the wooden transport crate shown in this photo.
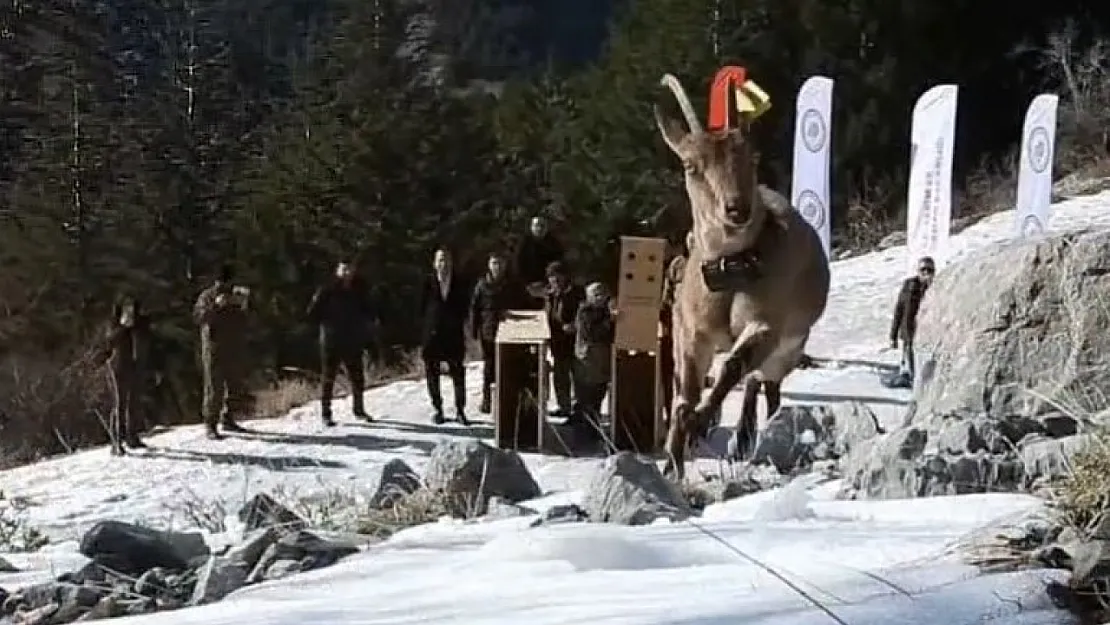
(520, 401)
(636, 398)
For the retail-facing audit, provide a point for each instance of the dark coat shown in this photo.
(562, 313)
(593, 346)
(487, 307)
(534, 255)
(904, 324)
(444, 320)
(343, 313)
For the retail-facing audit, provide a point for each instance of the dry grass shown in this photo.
(17, 534)
(287, 394)
(408, 510)
(1082, 499)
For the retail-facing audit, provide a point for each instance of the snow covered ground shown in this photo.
(869, 562)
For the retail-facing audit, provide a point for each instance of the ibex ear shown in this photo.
(671, 130)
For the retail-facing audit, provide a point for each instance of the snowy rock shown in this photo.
(1025, 314)
(469, 472)
(312, 551)
(565, 513)
(217, 579)
(631, 491)
(250, 550)
(265, 511)
(133, 549)
(398, 480)
(7, 567)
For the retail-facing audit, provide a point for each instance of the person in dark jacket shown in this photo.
(343, 312)
(595, 329)
(903, 326)
(444, 304)
(539, 249)
(561, 305)
(125, 348)
(492, 298)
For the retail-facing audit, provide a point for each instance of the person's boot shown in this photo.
(325, 416)
(230, 425)
(359, 411)
(460, 416)
(212, 434)
(484, 406)
(437, 416)
(117, 449)
(134, 442)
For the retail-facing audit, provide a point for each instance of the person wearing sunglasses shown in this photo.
(903, 326)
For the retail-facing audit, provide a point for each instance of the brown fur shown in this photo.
(763, 326)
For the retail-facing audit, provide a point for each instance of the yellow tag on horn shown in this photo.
(751, 101)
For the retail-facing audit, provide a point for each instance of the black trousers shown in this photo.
(351, 361)
(458, 379)
(489, 363)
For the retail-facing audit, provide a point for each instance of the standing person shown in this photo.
(343, 312)
(221, 313)
(126, 349)
(903, 326)
(593, 352)
(443, 309)
(536, 251)
(562, 301)
(492, 298)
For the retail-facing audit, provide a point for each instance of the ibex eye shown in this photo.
(689, 166)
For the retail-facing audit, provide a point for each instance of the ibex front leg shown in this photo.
(693, 357)
(747, 352)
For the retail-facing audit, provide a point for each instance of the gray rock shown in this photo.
(1039, 324)
(283, 568)
(566, 513)
(264, 511)
(250, 550)
(132, 549)
(306, 547)
(849, 424)
(217, 579)
(631, 491)
(7, 567)
(498, 508)
(1050, 458)
(1090, 561)
(789, 438)
(469, 472)
(397, 481)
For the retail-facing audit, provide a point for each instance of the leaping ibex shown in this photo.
(756, 281)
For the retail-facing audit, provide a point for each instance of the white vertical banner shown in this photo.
(929, 200)
(810, 185)
(1038, 145)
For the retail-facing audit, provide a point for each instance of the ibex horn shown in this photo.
(672, 83)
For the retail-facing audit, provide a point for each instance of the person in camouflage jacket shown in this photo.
(220, 312)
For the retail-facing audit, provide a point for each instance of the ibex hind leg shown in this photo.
(693, 357)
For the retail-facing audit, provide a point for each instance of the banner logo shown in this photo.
(812, 208)
(1036, 149)
(814, 132)
(1031, 226)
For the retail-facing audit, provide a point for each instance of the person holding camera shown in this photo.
(221, 313)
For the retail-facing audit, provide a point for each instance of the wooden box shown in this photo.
(640, 293)
(636, 392)
(520, 401)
